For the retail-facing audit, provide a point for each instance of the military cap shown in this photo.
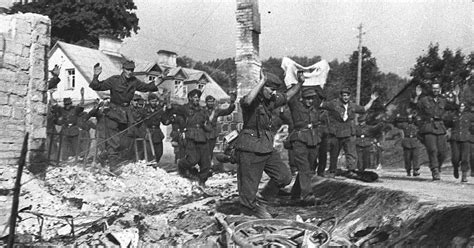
(345, 90)
(67, 100)
(137, 97)
(308, 92)
(210, 98)
(195, 92)
(273, 81)
(152, 96)
(129, 65)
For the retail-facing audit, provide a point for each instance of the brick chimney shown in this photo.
(166, 58)
(247, 45)
(110, 45)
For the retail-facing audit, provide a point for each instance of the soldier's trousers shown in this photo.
(410, 156)
(322, 154)
(196, 153)
(305, 159)
(349, 147)
(249, 173)
(158, 147)
(471, 160)
(460, 154)
(363, 157)
(69, 147)
(436, 149)
(212, 145)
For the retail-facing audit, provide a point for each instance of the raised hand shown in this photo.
(55, 70)
(97, 69)
(233, 96)
(374, 96)
(418, 90)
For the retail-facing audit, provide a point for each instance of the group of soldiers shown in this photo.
(318, 126)
(126, 117)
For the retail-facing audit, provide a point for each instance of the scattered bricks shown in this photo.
(5, 110)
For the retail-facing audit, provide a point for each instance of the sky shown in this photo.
(396, 32)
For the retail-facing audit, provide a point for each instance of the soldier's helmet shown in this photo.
(194, 92)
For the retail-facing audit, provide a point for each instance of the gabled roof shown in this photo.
(84, 59)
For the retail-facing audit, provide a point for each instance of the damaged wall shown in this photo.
(24, 42)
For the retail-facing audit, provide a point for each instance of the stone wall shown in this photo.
(247, 45)
(24, 43)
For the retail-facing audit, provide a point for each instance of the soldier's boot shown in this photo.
(416, 172)
(409, 173)
(269, 193)
(464, 177)
(435, 174)
(456, 172)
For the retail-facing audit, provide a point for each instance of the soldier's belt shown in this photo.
(308, 126)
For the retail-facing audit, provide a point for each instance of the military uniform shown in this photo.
(285, 117)
(255, 152)
(119, 115)
(433, 131)
(461, 123)
(195, 138)
(324, 144)
(177, 136)
(365, 140)
(68, 119)
(342, 132)
(155, 117)
(214, 132)
(305, 140)
(410, 144)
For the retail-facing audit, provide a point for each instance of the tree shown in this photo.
(81, 22)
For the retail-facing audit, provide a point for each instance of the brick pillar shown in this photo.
(247, 45)
(24, 43)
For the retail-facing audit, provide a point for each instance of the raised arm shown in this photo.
(296, 88)
(373, 97)
(250, 97)
(96, 84)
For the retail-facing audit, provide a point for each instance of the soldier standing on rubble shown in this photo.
(155, 116)
(255, 152)
(197, 159)
(213, 114)
(461, 123)
(137, 129)
(410, 142)
(304, 140)
(341, 115)
(122, 89)
(431, 109)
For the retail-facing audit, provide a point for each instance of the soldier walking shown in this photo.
(410, 143)
(156, 116)
(431, 109)
(255, 152)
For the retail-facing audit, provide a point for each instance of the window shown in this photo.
(151, 78)
(71, 79)
(180, 90)
(200, 86)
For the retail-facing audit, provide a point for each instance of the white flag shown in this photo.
(314, 74)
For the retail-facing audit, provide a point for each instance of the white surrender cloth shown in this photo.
(314, 74)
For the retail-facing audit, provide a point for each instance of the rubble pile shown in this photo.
(102, 204)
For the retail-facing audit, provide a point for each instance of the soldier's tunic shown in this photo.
(213, 133)
(324, 144)
(342, 132)
(119, 115)
(410, 143)
(460, 124)
(155, 117)
(365, 139)
(196, 147)
(432, 129)
(68, 119)
(305, 140)
(255, 152)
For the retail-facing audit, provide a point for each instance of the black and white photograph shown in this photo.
(236, 123)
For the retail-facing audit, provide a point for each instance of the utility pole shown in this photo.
(359, 64)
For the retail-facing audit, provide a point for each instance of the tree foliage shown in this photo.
(81, 22)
